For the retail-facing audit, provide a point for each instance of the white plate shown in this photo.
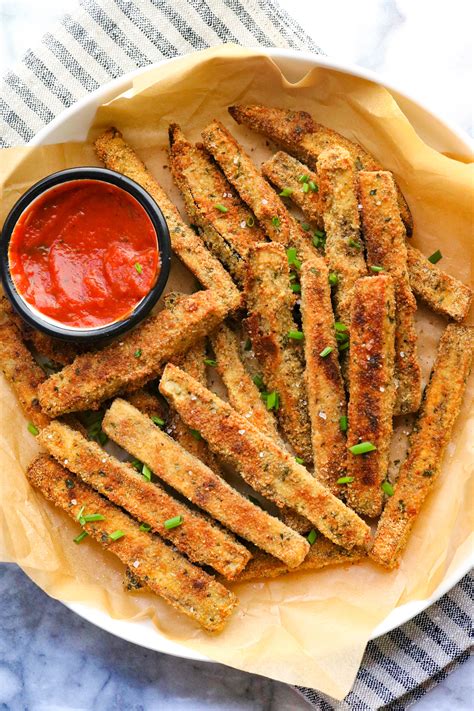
(73, 125)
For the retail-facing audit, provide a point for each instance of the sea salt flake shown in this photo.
(136, 563)
(264, 201)
(382, 389)
(261, 454)
(193, 397)
(241, 432)
(323, 415)
(242, 224)
(74, 502)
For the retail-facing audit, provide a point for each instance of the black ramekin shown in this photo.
(146, 304)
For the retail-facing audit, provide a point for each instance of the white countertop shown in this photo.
(51, 660)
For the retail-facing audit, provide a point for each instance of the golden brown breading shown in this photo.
(321, 554)
(22, 373)
(305, 139)
(183, 585)
(147, 403)
(127, 364)
(371, 391)
(324, 385)
(385, 241)
(344, 249)
(286, 173)
(440, 407)
(442, 292)
(279, 225)
(119, 156)
(228, 226)
(260, 461)
(243, 394)
(270, 320)
(197, 537)
(179, 469)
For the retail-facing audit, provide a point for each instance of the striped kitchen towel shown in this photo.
(104, 39)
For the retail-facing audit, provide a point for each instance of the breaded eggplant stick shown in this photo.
(324, 385)
(260, 461)
(166, 572)
(197, 537)
(344, 248)
(305, 139)
(227, 225)
(22, 373)
(321, 554)
(278, 224)
(440, 407)
(440, 291)
(130, 363)
(269, 323)
(385, 241)
(243, 394)
(371, 391)
(298, 182)
(119, 156)
(179, 469)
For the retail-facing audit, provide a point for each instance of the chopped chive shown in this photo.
(313, 186)
(138, 267)
(276, 222)
(138, 353)
(93, 517)
(78, 539)
(341, 337)
(295, 288)
(286, 192)
(296, 335)
(146, 473)
(320, 234)
(344, 346)
(69, 484)
(196, 434)
(305, 226)
(258, 381)
(339, 326)
(79, 515)
(102, 438)
(299, 460)
(435, 257)
(305, 187)
(317, 242)
(353, 243)
(158, 421)
(343, 423)
(116, 535)
(376, 268)
(250, 221)
(291, 255)
(137, 464)
(173, 522)
(221, 208)
(326, 351)
(345, 480)
(145, 527)
(247, 344)
(362, 448)
(303, 179)
(358, 164)
(273, 400)
(333, 278)
(33, 429)
(373, 192)
(209, 361)
(311, 537)
(387, 488)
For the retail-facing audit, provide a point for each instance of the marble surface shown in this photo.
(50, 659)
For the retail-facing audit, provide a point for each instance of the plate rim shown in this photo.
(130, 630)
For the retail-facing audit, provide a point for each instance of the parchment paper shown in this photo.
(309, 629)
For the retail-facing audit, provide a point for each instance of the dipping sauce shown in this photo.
(84, 253)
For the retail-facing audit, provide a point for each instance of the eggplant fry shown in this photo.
(290, 177)
(228, 227)
(117, 155)
(197, 537)
(321, 554)
(371, 391)
(385, 241)
(324, 385)
(440, 291)
(304, 138)
(128, 364)
(167, 573)
(440, 407)
(279, 225)
(260, 461)
(270, 325)
(179, 469)
(22, 373)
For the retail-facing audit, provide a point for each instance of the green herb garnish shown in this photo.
(326, 351)
(173, 522)
(362, 448)
(221, 208)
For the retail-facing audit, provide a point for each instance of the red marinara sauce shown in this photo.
(84, 253)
